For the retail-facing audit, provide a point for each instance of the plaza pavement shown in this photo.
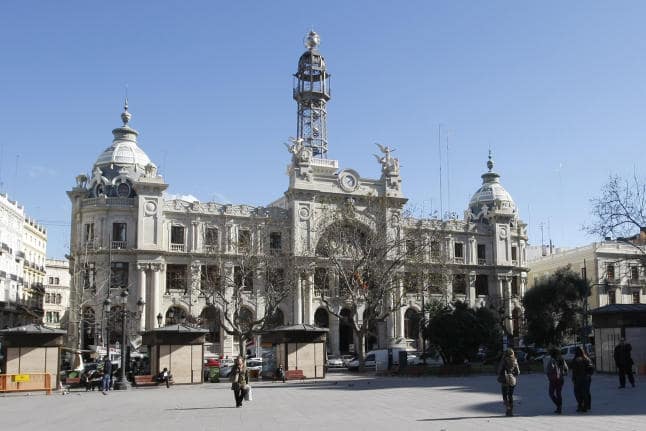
(341, 402)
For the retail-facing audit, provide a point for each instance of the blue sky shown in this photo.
(556, 91)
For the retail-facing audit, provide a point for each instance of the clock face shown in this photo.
(348, 181)
(123, 190)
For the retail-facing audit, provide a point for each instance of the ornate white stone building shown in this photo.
(57, 292)
(23, 243)
(125, 233)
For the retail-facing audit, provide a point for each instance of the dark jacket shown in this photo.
(582, 368)
(510, 365)
(107, 367)
(623, 357)
(239, 378)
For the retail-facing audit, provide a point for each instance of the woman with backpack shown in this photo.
(507, 372)
(556, 370)
(582, 370)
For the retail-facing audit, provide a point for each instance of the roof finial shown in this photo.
(490, 161)
(125, 115)
(312, 40)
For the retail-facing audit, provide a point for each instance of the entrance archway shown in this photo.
(412, 319)
(210, 319)
(322, 318)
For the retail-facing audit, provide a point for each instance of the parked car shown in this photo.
(334, 361)
(347, 358)
(254, 364)
(569, 350)
(369, 362)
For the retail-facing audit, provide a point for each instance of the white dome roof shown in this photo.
(124, 150)
(492, 194)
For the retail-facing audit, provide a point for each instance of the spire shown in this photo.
(312, 40)
(125, 132)
(490, 161)
(490, 176)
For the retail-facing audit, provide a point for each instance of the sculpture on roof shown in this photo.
(389, 164)
(301, 157)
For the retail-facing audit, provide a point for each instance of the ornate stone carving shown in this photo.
(150, 207)
(81, 181)
(304, 212)
(301, 158)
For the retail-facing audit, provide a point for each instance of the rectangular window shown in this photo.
(275, 241)
(176, 277)
(411, 247)
(56, 317)
(482, 285)
(321, 282)
(244, 240)
(514, 253)
(119, 275)
(177, 235)
(242, 280)
(411, 282)
(610, 271)
(435, 283)
(58, 299)
(636, 298)
(435, 249)
(211, 238)
(458, 250)
(119, 232)
(57, 281)
(515, 291)
(459, 284)
(49, 317)
(612, 299)
(210, 281)
(482, 252)
(634, 273)
(51, 280)
(88, 232)
(89, 276)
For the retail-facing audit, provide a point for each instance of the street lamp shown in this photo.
(106, 316)
(122, 383)
(159, 319)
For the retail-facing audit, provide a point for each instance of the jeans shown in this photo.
(238, 394)
(555, 392)
(105, 382)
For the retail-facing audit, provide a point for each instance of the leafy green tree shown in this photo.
(458, 330)
(554, 307)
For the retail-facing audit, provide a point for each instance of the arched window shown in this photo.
(322, 318)
(411, 323)
(277, 319)
(210, 318)
(175, 315)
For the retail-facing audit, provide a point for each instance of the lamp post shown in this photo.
(122, 382)
(106, 318)
(159, 320)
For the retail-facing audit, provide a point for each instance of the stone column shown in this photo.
(309, 293)
(142, 268)
(156, 293)
(399, 325)
(298, 301)
(334, 334)
(471, 289)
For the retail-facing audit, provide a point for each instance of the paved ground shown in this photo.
(343, 402)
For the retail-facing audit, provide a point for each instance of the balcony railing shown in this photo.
(110, 202)
(458, 260)
(482, 261)
(177, 247)
(327, 163)
(210, 248)
(119, 244)
(514, 262)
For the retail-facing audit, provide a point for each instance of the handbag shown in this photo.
(510, 379)
(247, 394)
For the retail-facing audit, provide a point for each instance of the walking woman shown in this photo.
(507, 372)
(582, 370)
(556, 370)
(239, 378)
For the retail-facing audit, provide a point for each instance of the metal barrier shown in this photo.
(26, 382)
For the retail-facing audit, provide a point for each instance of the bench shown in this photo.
(294, 375)
(149, 380)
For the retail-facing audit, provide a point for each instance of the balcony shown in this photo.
(458, 260)
(208, 248)
(109, 202)
(119, 244)
(514, 262)
(180, 248)
(482, 261)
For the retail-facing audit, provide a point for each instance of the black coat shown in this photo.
(623, 356)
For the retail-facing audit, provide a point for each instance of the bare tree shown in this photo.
(620, 211)
(369, 260)
(247, 289)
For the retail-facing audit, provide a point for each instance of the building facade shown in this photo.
(614, 268)
(22, 258)
(57, 293)
(127, 234)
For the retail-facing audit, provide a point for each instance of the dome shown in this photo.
(492, 194)
(124, 150)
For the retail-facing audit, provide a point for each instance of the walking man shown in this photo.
(624, 363)
(556, 370)
(107, 375)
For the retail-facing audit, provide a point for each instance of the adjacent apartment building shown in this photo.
(57, 293)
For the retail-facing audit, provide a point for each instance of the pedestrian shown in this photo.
(582, 370)
(280, 373)
(164, 377)
(556, 370)
(107, 375)
(239, 378)
(624, 363)
(507, 372)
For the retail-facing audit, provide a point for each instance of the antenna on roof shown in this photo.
(439, 150)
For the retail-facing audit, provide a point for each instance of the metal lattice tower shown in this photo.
(311, 92)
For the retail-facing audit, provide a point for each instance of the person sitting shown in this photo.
(164, 377)
(280, 373)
